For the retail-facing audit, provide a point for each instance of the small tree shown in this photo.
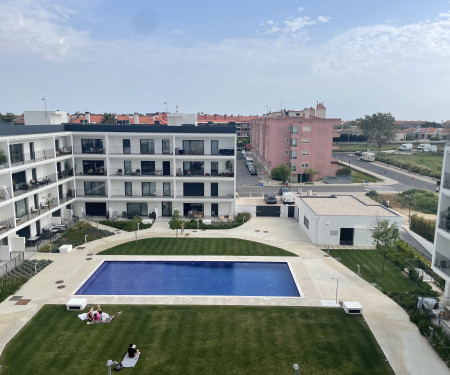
(175, 222)
(311, 173)
(281, 173)
(385, 235)
(229, 166)
(108, 118)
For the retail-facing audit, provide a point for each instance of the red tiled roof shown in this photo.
(427, 130)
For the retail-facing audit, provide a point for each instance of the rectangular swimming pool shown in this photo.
(269, 279)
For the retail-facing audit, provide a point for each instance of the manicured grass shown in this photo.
(195, 246)
(427, 164)
(371, 265)
(359, 177)
(228, 340)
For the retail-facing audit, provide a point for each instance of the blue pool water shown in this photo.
(191, 278)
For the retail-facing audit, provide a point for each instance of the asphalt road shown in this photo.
(248, 185)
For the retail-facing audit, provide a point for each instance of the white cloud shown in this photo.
(323, 19)
(300, 9)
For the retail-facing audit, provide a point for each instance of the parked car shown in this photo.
(270, 198)
(253, 171)
(288, 198)
(284, 189)
(358, 153)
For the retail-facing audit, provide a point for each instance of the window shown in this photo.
(166, 146)
(166, 189)
(193, 147)
(305, 152)
(194, 189)
(127, 166)
(287, 152)
(214, 209)
(293, 154)
(16, 152)
(128, 189)
(305, 165)
(147, 146)
(293, 167)
(306, 222)
(214, 168)
(214, 147)
(294, 129)
(149, 189)
(93, 167)
(306, 140)
(306, 128)
(21, 207)
(294, 142)
(193, 168)
(287, 140)
(148, 167)
(126, 146)
(139, 209)
(94, 188)
(92, 146)
(214, 189)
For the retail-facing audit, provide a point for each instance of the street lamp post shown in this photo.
(296, 368)
(135, 232)
(337, 286)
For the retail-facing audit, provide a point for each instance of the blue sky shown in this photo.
(234, 57)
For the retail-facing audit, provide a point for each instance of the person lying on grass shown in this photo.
(98, 316)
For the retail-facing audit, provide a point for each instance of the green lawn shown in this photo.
(371, 265)
(195, 246)
(228, 340)
(427, 164)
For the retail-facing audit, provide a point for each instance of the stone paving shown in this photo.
(405, 349)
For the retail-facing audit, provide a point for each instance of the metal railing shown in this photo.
(27, 158)
(442, 262)
(65, 174)
(89, 150)
(82, 193)
(39, 183)
(119, 150)
(137, 172)
(65, 150)
(66, 197)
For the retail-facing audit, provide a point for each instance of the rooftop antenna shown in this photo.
(267, 109)
(281, 104)
(177, 108)
(166, 105)
(45, 105)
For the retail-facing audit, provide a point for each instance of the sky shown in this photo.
(227, 57)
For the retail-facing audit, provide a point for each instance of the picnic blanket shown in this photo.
(130, 362)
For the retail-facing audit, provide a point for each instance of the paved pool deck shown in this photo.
(404, 347)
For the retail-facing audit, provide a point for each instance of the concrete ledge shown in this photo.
(65, 248)
(76, 304)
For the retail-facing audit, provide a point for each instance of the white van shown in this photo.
(368, 156)
(406, 147)
(288, 198)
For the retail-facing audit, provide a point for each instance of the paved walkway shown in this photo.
(405, 349)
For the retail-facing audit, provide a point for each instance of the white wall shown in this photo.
(45, 117)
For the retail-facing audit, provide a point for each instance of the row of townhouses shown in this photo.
(55, 172)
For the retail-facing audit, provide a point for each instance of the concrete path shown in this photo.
(404, 347)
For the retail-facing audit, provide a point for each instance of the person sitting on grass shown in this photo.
(132, 351)
(90, 314)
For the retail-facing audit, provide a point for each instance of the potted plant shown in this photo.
(119, 171)
(229, 167)
(69, 193)
(2, 157)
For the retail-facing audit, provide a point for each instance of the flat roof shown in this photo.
(345, 205)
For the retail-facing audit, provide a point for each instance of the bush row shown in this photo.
(243, 217)
(126, 225)
(14, 279)
(423, 227)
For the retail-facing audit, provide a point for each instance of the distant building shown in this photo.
(45, 117)
(131, 119)
(300, 139)
(242, 123)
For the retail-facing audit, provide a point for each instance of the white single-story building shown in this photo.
(341, 219)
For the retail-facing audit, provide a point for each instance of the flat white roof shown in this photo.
(345, 205)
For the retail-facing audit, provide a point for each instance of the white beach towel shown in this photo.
(130, 362)
(83, 316)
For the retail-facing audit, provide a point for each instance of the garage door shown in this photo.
(291, 211)
(268, 211)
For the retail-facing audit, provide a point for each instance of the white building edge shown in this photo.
(50, 173)
(441, 256)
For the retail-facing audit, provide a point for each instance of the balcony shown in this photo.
(22, 159)
(138, 172)
(66, 197)
(442, 262)
(32, 213)
(34, 184)
(6, 225)
(89, 150)
(67, 150)
(5, 193)
(65, 174)
(119, 150)
(120, 193)
(91, 194)
(222, 152)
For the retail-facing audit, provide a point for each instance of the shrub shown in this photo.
(345, 171)
(372, 193)
(423, 227)
(128, 226)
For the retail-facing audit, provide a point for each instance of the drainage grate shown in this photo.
(80, 248)
(15, 298)
(88, 258)
(23, 301)
(266, 231)
(90, 254)
(61, 286)
(257, 230)
(326, 255)
(59, 282)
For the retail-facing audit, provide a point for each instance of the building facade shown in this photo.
(441, 256)
(242, 123)
(50, 173)
(302, 140)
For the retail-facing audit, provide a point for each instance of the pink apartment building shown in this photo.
(299, 139)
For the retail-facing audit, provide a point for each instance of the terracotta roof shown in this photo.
(408, 130)
(427, 130)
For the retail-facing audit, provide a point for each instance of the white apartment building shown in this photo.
(441, 256)
(50, 173)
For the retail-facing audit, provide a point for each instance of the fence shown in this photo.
(11, 264)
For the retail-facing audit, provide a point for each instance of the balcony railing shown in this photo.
(95, 172)
(35, 184)
(119, 150)
(120, 193)
(31, 214)
(137, 172)
(82, 193)
(27, 158)
(187, 173)
(65, 174)
(66, 197)
(66, 150)
(89, 150)
(6, 225)
(222, 152)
